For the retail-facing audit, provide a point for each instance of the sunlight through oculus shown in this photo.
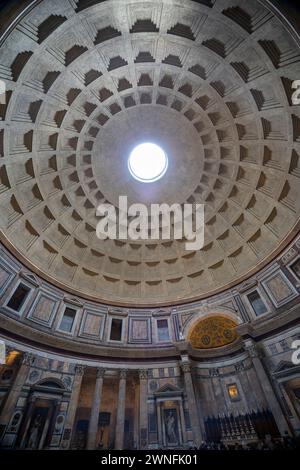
(147, 163)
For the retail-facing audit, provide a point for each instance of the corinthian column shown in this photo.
(73, 404)
(119, 441)
(93, 424)
(266, 384)
(143, 408)
(192, 405)
(16, 389)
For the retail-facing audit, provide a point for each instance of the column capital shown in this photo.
(79, 369)
(123, 373)
(143, 374)
(186, 367)
(253, 349)
(240, 366)
(28, 359)
(101, 372)
(214, 372)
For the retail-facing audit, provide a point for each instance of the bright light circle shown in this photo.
(147, 163)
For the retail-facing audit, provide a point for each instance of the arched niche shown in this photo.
(213, 331)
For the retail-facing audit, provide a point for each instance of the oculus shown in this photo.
(147, 162)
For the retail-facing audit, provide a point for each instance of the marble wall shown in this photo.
(278, 287)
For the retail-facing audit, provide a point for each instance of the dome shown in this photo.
(210, 86)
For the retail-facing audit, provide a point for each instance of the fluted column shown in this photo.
(183, 424)
(119, 441)
(143, 376)
(16, 389)
(27, 420)
(193, 411)
(93, 424)
(265, 382)
(73, 404)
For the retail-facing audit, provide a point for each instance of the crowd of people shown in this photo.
(268, 443)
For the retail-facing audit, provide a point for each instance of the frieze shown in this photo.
(143, 374)
(123, 373)
(101, 372)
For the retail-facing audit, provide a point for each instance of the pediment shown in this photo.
(283, 365)
(161, 312)
(73, 301)
(168, 388)
(30, 278)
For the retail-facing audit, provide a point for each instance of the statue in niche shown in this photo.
(34, 432)
(171, 426)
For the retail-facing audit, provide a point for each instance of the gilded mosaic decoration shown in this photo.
(213, 332)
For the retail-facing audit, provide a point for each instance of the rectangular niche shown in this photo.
(279, 289)
(44, 308)
(116, 329)
(92, 324)
(140, 330)
(294, 267)
(163, 332)
(19, 298)
(67, 322)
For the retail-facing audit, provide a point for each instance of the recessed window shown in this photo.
(147, 163)
(18, 298)
(67, 321)
(116, 329)
(257, 303)
(163, 330)
(295, 267)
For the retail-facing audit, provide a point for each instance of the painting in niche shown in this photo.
(171, 426)
(233, 392)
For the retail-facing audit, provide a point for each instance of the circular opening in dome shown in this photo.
(147, 163)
